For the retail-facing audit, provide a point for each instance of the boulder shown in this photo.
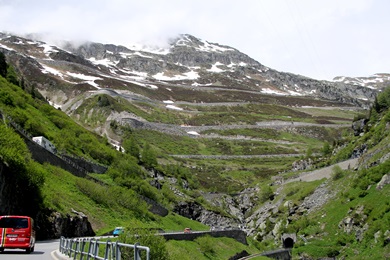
(384, 181)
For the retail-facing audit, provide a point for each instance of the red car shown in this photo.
(17, 232)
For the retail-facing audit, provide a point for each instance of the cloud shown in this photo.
(320, 39)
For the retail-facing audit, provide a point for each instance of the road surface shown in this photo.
(43, 251)
(325, 172)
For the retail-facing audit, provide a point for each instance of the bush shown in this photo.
(266, 193)
(144, 237)
(205, 245)
(337, 173)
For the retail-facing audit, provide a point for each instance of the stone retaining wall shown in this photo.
(236, 234)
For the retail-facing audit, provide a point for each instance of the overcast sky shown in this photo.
(319, 39)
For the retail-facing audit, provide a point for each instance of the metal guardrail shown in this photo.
(88, 248)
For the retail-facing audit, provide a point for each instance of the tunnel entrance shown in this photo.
(288, 242)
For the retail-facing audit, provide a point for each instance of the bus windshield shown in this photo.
(13, 223)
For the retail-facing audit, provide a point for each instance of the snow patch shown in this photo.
(88, 79)
(214, 68)
(209, 47)
(5, 47)
(47, 69)
(47, 49)
(272, 91)
(191, 75)
(193, 133)
(104, 62)
(173, 107)
(162, 50)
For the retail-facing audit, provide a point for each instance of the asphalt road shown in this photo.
(43, 251)
(325, 172)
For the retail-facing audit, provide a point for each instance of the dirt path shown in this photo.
(325, 172)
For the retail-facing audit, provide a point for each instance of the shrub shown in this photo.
(144, 237)
(205, 245)
(337, 173)
(266, 193)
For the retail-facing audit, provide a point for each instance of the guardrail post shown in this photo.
(90, 248)
(70, 248)
(118, 255)
(136, 252)
(77, 246)
(76, 249)
(96, 253)
(107, 249)
(83, 241)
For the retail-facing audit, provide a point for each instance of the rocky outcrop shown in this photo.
(302, 165)
(52, 225)
(359, 126)
(195, 211)
(191, 210)
(383, 182)
(355, 223)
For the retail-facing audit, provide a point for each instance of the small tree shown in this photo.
(131, 147)
(148, 157)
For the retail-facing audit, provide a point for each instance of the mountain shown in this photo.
(188, 63)
(239, 145)
(379, 80)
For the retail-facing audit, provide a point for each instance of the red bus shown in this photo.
(17, 232)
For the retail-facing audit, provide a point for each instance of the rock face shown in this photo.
(52, 225)
(384, 181)
(359, 126)
(195, 211)
(191, 210)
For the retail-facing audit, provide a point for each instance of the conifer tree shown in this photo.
(3, 65)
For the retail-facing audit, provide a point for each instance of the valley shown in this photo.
(209, 134)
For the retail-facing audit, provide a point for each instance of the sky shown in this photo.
(320, 39)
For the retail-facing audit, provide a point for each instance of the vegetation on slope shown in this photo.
(117, 202)
(355, 224)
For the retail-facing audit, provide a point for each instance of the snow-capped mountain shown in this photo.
(376, 81)
(207, 69)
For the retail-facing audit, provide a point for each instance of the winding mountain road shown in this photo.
(325, 172)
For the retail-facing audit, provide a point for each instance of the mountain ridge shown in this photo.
(190, 62)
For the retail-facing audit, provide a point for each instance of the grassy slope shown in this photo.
(62, 191)
(358, 200)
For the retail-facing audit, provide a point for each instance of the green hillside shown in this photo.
(354, 223)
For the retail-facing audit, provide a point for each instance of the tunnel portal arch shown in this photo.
(288, 240)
